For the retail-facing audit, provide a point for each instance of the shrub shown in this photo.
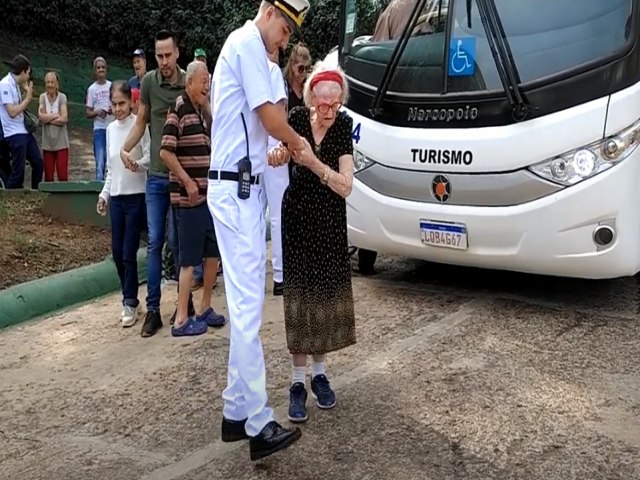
(120, 26)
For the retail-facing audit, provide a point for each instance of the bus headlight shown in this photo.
(361, 161)
(585, 162)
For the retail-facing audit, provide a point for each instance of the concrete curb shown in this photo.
(45, 296)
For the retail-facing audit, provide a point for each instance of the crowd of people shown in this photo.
(196, 161)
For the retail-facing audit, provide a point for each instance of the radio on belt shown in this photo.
(244, 178)
(244, 167)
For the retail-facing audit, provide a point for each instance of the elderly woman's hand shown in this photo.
(305, 157)
(278, 156)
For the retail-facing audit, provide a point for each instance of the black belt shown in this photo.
(232, 176)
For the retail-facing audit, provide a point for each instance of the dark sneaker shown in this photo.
(298, 403)
(211, 318)
(190, 328)
(278, 289)
(152, 323)
(321, 391)
(191, 311)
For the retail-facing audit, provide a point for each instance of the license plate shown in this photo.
(444, 234)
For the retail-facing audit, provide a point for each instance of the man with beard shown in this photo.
(158, 91)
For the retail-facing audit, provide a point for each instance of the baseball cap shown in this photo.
(199, 53)
(294, 11)
(138, 52)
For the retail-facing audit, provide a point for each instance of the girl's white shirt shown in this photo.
(120, 180)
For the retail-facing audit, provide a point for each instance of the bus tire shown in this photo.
(366, 261)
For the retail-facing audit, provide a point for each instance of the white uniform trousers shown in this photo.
(276, 181)
(240, 231)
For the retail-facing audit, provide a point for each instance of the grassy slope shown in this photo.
(73, 66)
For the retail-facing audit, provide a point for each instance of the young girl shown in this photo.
(124, 189)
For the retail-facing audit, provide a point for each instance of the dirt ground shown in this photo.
(82, 164)
(458, 374)
(34, 245)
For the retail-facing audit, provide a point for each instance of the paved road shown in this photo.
(458, 374)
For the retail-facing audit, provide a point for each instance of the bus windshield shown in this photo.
(448, 49)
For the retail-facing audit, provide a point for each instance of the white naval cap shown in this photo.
(294, 11)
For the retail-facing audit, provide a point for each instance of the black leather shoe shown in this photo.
(152, 323)
(272, 438)
(278, 289)
(233, 430)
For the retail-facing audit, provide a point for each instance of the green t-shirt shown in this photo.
(157, 95)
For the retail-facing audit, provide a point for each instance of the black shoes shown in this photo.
(152, 323)
(233, 430)
(273, 438)
(278, 289)
(270, 440)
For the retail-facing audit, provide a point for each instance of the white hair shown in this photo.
(194, 67)
(325, 86)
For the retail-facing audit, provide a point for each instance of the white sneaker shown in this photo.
(129, 316)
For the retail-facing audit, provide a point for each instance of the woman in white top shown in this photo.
(53, 115)
(124, 190)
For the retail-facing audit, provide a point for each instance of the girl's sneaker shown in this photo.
(129, 316)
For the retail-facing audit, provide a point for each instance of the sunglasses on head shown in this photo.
(303, 68)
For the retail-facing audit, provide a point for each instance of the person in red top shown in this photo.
(135, 100)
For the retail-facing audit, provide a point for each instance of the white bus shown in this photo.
(505, 137)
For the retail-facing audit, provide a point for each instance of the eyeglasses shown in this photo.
(304, 68)
(325, 107)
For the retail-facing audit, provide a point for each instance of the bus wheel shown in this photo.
(366, 261)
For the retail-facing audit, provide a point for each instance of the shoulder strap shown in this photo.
(246, 134)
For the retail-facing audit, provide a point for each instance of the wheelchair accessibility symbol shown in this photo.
(462, 54)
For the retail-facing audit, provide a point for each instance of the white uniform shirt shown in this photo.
(279, 93)
(241, 83)
(10, 95)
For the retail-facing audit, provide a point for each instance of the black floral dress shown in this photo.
(318, 298)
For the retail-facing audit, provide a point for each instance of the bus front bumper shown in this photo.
(553, 235)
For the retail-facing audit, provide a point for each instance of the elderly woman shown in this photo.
(318, 299)
(53, 115)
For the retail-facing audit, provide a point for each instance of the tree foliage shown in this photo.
(119, 26)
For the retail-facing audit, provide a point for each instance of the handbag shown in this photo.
(30, 121)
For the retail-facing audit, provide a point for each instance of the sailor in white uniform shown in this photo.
(276, 180)
(244, 114)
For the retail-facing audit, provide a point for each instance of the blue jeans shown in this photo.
(128, 216)
(100, 152)
(24, 147)
(157, 210)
